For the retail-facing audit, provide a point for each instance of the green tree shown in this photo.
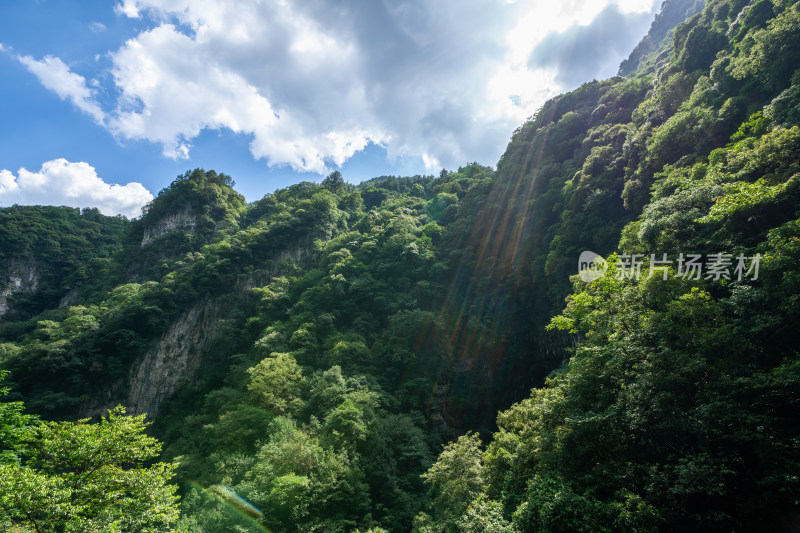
(348, 423)
(276, 383)
(15, 427)
(82, 477)
(456, 478)
(334, 182)
(485, 516)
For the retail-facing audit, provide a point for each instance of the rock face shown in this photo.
(276, 266)
(169, 365)
(68, 299)
(180, 220)
(173, 361)
(21, 276)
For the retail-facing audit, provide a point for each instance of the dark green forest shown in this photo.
(420, 353)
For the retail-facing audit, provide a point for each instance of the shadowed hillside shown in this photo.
(304, 357)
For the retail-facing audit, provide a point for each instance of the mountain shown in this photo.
(304, 357)
(672, 13)
(47, 252)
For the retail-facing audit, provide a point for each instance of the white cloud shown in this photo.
(531, 85)
(311, 83)
(56, 76)
(127, 9)
(584, 51)
(97, 27)
(60, 182)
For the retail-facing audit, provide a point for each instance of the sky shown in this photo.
(104, 103)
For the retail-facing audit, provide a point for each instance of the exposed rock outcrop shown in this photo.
(21, 276)
(276, 266)
(169, 365)
(180, 220)
(173, 362)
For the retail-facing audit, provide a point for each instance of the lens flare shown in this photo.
(236, 505)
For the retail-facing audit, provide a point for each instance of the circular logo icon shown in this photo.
(591, 266)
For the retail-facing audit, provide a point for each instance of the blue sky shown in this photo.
(104, 103)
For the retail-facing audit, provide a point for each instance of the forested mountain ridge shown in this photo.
(47, 252)
(672, 13)
(310, 352)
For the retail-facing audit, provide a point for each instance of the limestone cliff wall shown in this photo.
(20, 276)
(276, 266)
(168, 366)
(173, 361)
(179, 220)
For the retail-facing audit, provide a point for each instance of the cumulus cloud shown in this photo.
(583, 52)
(312, 83)
(60, 182)
(57, 76)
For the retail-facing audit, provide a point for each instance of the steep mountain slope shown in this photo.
(672, 13)
(307, 275)
(676, 411)
(310, 352)
(46, 253)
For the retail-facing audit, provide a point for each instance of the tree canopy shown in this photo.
(418, 353)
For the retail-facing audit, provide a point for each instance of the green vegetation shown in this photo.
(76, 476)
(56, 249)
(333, 357)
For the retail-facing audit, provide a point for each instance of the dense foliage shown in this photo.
(75, 476)
(54, 251)
(677, 410)
(313, 351)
